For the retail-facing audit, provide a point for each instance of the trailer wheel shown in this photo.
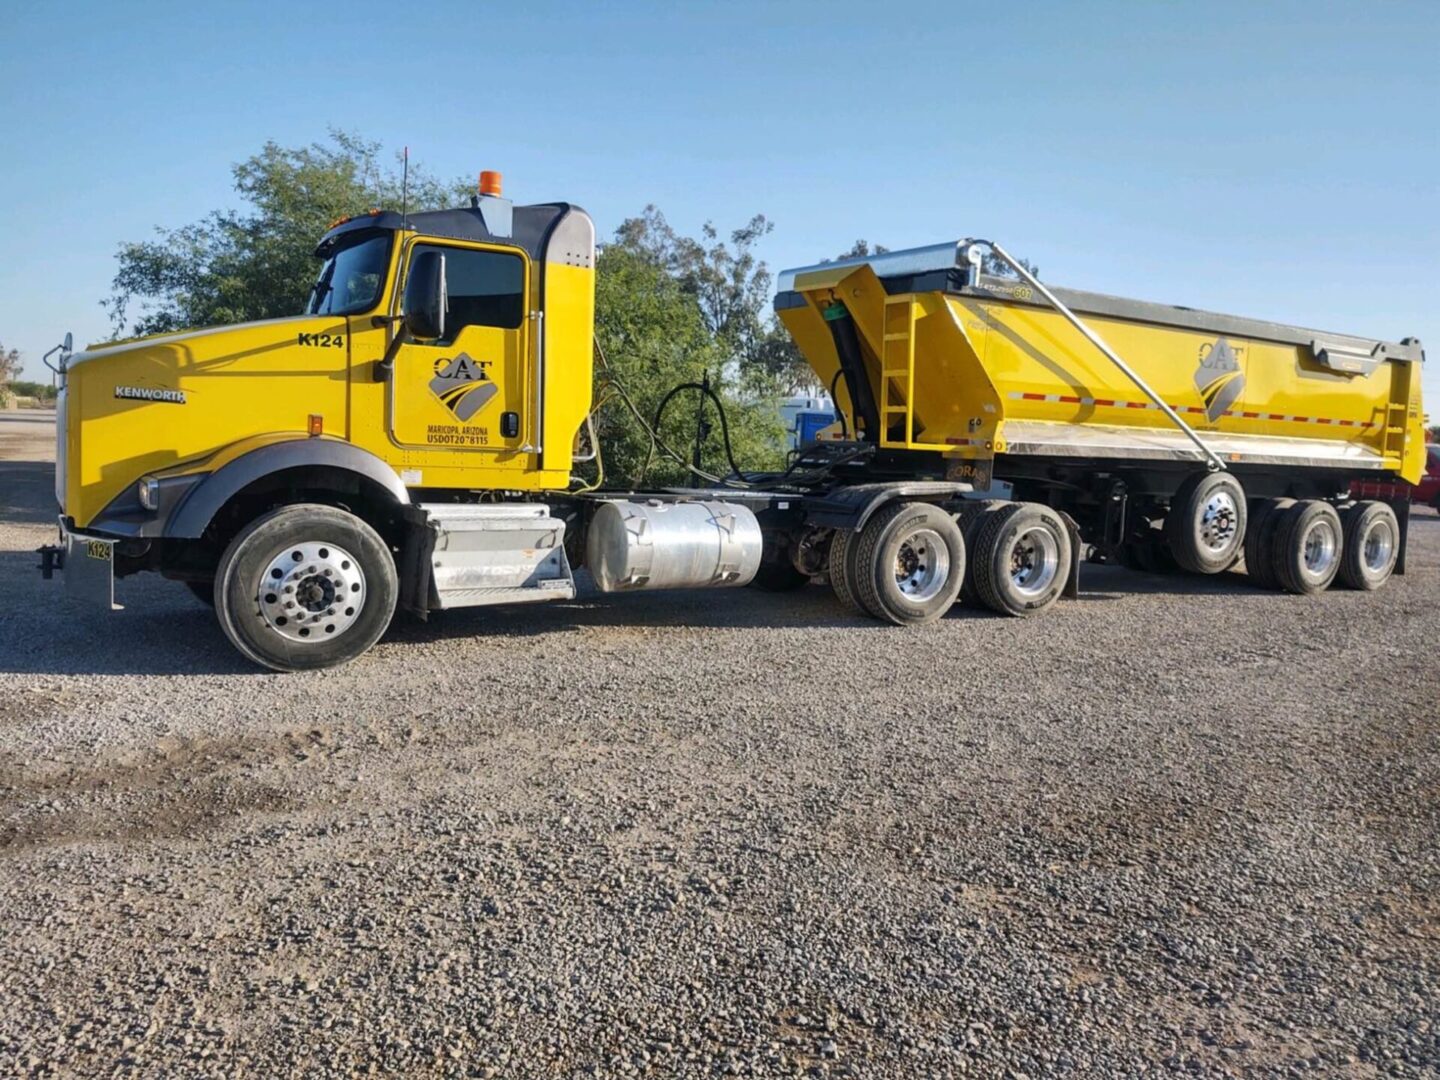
(1307, 549)
(971, 516)
(1205, 527)
(909, 563)
(305, 587)
(1021, 558)
(1265, 515)
(842, 580)
(1372, 545)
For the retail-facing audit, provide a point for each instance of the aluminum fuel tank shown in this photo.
(661, 545)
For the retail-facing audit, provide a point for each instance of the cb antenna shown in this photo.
(405, 191)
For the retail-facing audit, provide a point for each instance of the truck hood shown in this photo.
(103, 350)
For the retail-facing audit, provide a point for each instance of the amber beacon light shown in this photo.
(490, 182)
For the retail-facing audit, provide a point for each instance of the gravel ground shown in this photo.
(1178, 825)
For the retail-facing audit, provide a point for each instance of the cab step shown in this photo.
(501, 553)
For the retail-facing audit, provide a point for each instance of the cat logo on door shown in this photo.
(462, 385)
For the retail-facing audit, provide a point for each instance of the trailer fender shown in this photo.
(205, 499)
(851, 507)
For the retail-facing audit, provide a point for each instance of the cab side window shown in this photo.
(485, 288)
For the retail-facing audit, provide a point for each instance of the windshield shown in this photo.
(351, 279)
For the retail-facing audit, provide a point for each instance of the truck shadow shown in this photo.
(27, 493)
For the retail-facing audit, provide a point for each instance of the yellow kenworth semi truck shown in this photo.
(409, 442)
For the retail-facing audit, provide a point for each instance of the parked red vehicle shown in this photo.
(1426, 492)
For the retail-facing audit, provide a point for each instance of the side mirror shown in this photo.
(425, 296)
(69, 344)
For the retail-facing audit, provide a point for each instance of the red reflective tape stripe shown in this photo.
(1251, 415)
(1105, 401)
(1135, 404)
(1027, 396)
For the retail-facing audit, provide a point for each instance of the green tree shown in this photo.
(256, 262)
(653, 335)
(9, 368)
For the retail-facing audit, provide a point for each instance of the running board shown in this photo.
(494, 553)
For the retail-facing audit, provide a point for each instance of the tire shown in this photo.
(1022, 559)
(841, 581)
(204, 591)
(909, 563)
(1205, 528)
(1308, 547)
(1265, 515)
(301, 624)
(972, 515)
(1372, 545)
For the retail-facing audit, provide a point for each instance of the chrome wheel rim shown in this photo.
(1034, 561)
(1219, 521)
(1379, 546)
(922, 565)
(1320, 548)
(311, 592)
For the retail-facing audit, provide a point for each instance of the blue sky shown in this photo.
(1280, 160)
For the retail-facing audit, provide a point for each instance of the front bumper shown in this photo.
(88, 563)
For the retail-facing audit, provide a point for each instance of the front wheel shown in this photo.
(305, 587)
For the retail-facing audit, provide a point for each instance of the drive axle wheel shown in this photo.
(1307, 547)
(1022, 559)
(1372, 545)
(841, 573)
(1206, 523)
(909, 563)
(972, 515)
(305, 587)
(1265, 515)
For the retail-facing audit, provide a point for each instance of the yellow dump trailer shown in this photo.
(407, 440)
(1161, 433)
(981, 367)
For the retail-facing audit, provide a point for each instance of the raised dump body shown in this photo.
(927, 354)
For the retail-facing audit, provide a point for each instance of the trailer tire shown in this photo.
(971, 516)
(1022, 559)
(909, 563)
(1308, 547)
(303, 622)
(842, 581)
(1372, 545)
(1265, 515)
(1205, 527)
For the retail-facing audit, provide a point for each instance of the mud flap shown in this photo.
(1072, 585)
(1402, 517)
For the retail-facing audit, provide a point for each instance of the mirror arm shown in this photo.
(386, 364)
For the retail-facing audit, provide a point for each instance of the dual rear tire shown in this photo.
(911, 560)
(1305, 546)
(905, 566)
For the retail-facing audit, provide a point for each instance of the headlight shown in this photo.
(148, 492)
